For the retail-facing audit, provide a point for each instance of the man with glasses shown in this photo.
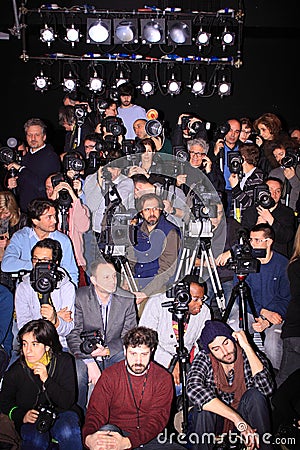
(156, 251)
(159, 318)
(43, 217)
(60, 309)
(198, 160)
(270, 291)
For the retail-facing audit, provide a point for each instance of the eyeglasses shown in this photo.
(197, 154)
(258, 240)
(35, 260)
(199, 299)
(155, 209)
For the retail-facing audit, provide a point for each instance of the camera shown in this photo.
(262, 196)
(221, 131)
(291, 159)
(72, 161)
(46, 418)
(235, 162)
(193, 127)
(44, 277)
(114, 125)
(64, 198)
(244, 258)
(80, 112)
(90, 339)
(153, 128)
(180, 292)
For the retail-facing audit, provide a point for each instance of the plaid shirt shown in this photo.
(201, 387)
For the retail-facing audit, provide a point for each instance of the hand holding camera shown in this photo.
(48, 312)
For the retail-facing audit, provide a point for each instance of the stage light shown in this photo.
(173, 86)
(41, 82)
(98, 31)
(70, 83)
(125, 31)
(96, 84)
(179, 32)
(197, 86)
(153, 31)
(47, 35)
(227, 38)
(224, 87)
(203, 38)
(72, 35)
(147, 87)
(121, 79)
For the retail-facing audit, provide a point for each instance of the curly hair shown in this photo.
(141, 336)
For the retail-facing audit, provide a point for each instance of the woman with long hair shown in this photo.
(291, 327)
(150, 164)
(39, 390)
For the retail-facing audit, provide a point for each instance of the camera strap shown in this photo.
(50, 370)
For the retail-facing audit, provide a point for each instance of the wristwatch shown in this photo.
(173, 211)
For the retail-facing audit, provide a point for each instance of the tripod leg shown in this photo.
(129, 276)
(231, 302)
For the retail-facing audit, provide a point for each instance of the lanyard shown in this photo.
(138, 406)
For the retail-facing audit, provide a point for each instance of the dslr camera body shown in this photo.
(291, 159)
(46, 418)
(90, 339)
(114, 125)
(235, 163)
(193, 127)
(262, 196)
(80, 112)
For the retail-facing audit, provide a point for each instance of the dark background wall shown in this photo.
(268, 81)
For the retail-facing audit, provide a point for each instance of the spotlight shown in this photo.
(173, 86)
(147, 87)
(224, 87)
(47, 35)
(153, 31)
(70, 83)
(125, 31)
(227, 38)
(203, 38)
(72, 35)
(41, 83)
(98, 31)
(179, 32)
(96, 84)
(121, 80)
(197, 86)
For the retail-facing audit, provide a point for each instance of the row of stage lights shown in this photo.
(198, 85)
(153, 31)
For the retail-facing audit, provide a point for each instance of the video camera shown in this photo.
(90, 339)
(180, 293)
(244, 258)
(114, 125)
(44, 277)
(262, 196)
(132, 149)
(80, 112)
(291, 159)
(10, 154)
(200, 225)
(235, 163)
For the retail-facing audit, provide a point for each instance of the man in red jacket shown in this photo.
(130, 404)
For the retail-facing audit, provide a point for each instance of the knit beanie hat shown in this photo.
(211, 330)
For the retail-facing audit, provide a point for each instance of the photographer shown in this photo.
(106, 308)
(77, 123)
(243, 180)
(66, 195)
(279, 216)
(128, 111)
(39, 390)
(58, 308)
(288, 173)
(150, 164)
(188, 127)
(160, 319)
(36, 166)
(162, 144)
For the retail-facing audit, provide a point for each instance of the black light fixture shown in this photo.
(197, 86)
(70, 83)
(174, 85)
(41, 82)
(179, 32)
(96, 84)
(153, 31)
(203, 38)
(147, 86)
(125, 31)
(98, 31)
(227, 38)
(72, 35)
(47, 35)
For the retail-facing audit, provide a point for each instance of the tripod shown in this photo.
(191, 249)
(242, 291)
(182, 356)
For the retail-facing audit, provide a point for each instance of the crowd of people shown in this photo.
(145, 274)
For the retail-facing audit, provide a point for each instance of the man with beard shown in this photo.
(228, 384)
(156, 251)
(130, 404)
(128, 111)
